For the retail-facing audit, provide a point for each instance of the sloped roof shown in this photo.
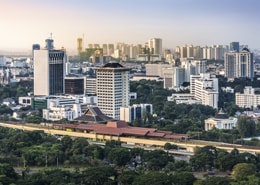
(94, 114)
(120, 128)
(221, 115)
(113, 64)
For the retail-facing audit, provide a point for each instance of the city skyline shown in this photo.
(200, 22)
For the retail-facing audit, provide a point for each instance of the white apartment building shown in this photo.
(183, 98)
(61, 112)
(248, 99)
(239, 64)
(204, 87)
(203, 90)
(112, 88)
(130, 113)
(66, 107)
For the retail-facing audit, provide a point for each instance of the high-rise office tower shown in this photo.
(155, 46)
(239, 64)
(112, 88)
(49, 70)
(234, 46)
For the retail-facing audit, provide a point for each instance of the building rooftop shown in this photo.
(93, 114)
(113, 64)
(120, 128)
(221, 115)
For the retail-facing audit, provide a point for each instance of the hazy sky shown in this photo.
(177, 22)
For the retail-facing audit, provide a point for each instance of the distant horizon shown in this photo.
(200, 22)
(28, 51)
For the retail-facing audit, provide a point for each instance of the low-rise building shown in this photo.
(220, 121)
(183, 98)
(146, 77)
(130, 113)
(248, 99)
(203, 90)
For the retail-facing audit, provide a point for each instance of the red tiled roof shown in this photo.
(121, 128)
(166, 132)
(109, 131)
(116, 124)
(134, 131)
(156, 134)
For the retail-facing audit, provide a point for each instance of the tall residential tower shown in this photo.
(239, 64)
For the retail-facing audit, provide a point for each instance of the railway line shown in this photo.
(186, 146)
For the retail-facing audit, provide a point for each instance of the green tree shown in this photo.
(5, 110)
(213, 180)
(250, 180)
(183, 178)
(181, 165)
(203, 158)
(127, 177)
(7, 174)
(243, 170)
(79, 146)
(153, 178)
(98, 175)
(246, 126)
(119, 156)
(157, 159)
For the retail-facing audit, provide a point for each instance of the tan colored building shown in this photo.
(249, 99)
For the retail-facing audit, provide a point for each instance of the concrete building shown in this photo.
(55, 113)
(156, 69)
(220, 121)
(183, 98)
(130, 113)
(248, 99)
(25, 101)
(74, 85)
(234, 46)
(49, 70)
(91, 86)
(193, 67)
(66, 107)
(112, 88)
(145, 77)
(173, 77)
(155, 45)
(203, 90)
(204, 87)
(239, 64)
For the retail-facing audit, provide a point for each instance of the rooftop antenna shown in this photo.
(51, 35)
